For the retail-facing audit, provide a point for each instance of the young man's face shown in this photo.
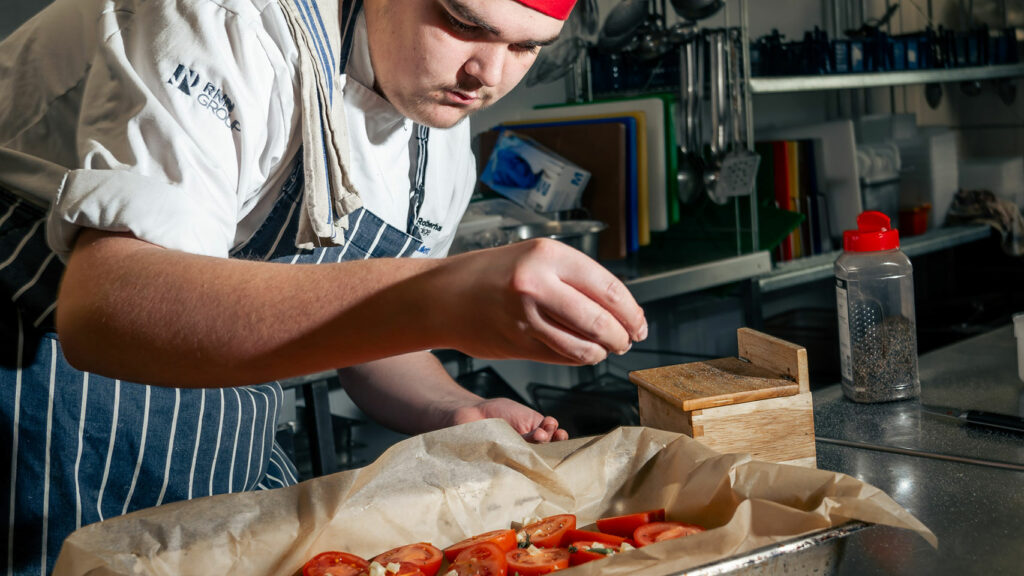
(437, 61)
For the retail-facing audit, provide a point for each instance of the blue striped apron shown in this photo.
(83, 447)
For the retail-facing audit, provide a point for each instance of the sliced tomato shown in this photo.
(504, 539)
(404, 569)
(548, 532)
(661, 531)
(627, 524)
(420, 557)
(574, 535)
(335, 564)
(587, 551)
(527, 562)
(481, 559)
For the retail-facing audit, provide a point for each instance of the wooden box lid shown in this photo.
(700, 385)
(767, 368)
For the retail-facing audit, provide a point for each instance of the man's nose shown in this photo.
(487, 62)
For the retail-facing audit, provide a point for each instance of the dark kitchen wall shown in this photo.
(15, 12)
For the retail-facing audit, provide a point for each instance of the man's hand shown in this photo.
(533, 426)
(539, 300)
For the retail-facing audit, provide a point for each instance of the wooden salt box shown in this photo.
(759, 403)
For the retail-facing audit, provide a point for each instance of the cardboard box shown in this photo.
(526, 172)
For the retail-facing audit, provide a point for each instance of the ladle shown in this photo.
(688, 176)
(717, 71)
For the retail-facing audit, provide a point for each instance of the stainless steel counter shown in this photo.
(965, 483)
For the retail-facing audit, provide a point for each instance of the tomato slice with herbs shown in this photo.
(661, 531)
(627, 524)
(335, 564)
(504, 539)
(548, 532)
(420, 557)
(585, 551)
(571, 536)
(534, 561)
(481, 559)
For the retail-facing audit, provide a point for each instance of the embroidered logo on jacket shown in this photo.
(211, 97)
(185, 78)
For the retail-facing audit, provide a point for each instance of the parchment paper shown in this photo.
(444, 486)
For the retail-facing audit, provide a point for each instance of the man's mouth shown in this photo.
(460, 97)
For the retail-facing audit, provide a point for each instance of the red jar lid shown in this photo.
(872, 234)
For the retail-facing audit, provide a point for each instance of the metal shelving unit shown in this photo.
(651, 282)
(788, 84)
(809, 269)
(820, 266)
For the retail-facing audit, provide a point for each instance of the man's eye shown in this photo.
(525, 49)
(460, 26)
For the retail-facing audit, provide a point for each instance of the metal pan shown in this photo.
(621, 25)
(580, 234)
(818, 553)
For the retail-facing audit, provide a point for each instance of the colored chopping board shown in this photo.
(672, 139)
(600, 148)
(641, 213)
(653, 108)
(839, 145)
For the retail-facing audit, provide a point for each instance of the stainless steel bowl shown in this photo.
(580, 234)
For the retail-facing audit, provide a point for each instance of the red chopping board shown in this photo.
(601, 150)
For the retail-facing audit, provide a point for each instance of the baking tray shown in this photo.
(819, 553)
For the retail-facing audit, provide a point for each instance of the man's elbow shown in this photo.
(73, 332)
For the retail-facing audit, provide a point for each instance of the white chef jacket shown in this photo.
(179, 122)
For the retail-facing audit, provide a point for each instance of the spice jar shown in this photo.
(875, 307)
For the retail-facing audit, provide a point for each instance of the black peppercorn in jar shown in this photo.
(875, 307)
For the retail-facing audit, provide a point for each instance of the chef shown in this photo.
(198, 198)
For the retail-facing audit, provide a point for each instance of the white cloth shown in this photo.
(188, 118)
(332, 197)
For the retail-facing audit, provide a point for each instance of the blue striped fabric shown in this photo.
(84, 447)
(31, 282)
(418, 168)
(369, 236)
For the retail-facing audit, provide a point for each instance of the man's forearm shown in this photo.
(136, 311)
(132, 310)
(411, 393)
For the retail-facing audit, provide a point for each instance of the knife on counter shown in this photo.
(979, 418)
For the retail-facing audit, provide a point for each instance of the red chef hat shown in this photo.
(555, 8)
